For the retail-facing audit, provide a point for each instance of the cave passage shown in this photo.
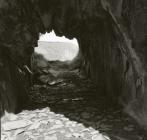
(109, 69)
(67, 91)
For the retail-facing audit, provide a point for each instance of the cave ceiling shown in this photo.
(111, 36)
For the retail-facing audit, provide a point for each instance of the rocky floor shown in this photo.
(68, 108)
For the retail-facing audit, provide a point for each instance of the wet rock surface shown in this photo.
(68, 107)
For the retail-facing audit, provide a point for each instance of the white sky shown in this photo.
(51, 37)
(57, 51)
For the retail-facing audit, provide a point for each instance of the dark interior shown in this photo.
(112, 37)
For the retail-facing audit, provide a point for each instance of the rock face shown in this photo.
(18, 35)
(111, 36)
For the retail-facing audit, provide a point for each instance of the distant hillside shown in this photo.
(57, 50)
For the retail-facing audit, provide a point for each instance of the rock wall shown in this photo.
(134, 14)
(112, 38)
(18, 36)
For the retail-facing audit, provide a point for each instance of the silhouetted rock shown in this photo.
(112, 40)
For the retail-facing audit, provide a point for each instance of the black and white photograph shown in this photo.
(73, 69)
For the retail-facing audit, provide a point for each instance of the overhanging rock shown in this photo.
(111, 36)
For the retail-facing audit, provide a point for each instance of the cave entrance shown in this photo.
(54, 56)
(107, 59)
(55, 48)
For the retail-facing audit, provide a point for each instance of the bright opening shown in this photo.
(55, 48)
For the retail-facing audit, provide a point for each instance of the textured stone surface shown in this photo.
(112, 42)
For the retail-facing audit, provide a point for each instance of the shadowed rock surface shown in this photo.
(111, 37)
(67, 107)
